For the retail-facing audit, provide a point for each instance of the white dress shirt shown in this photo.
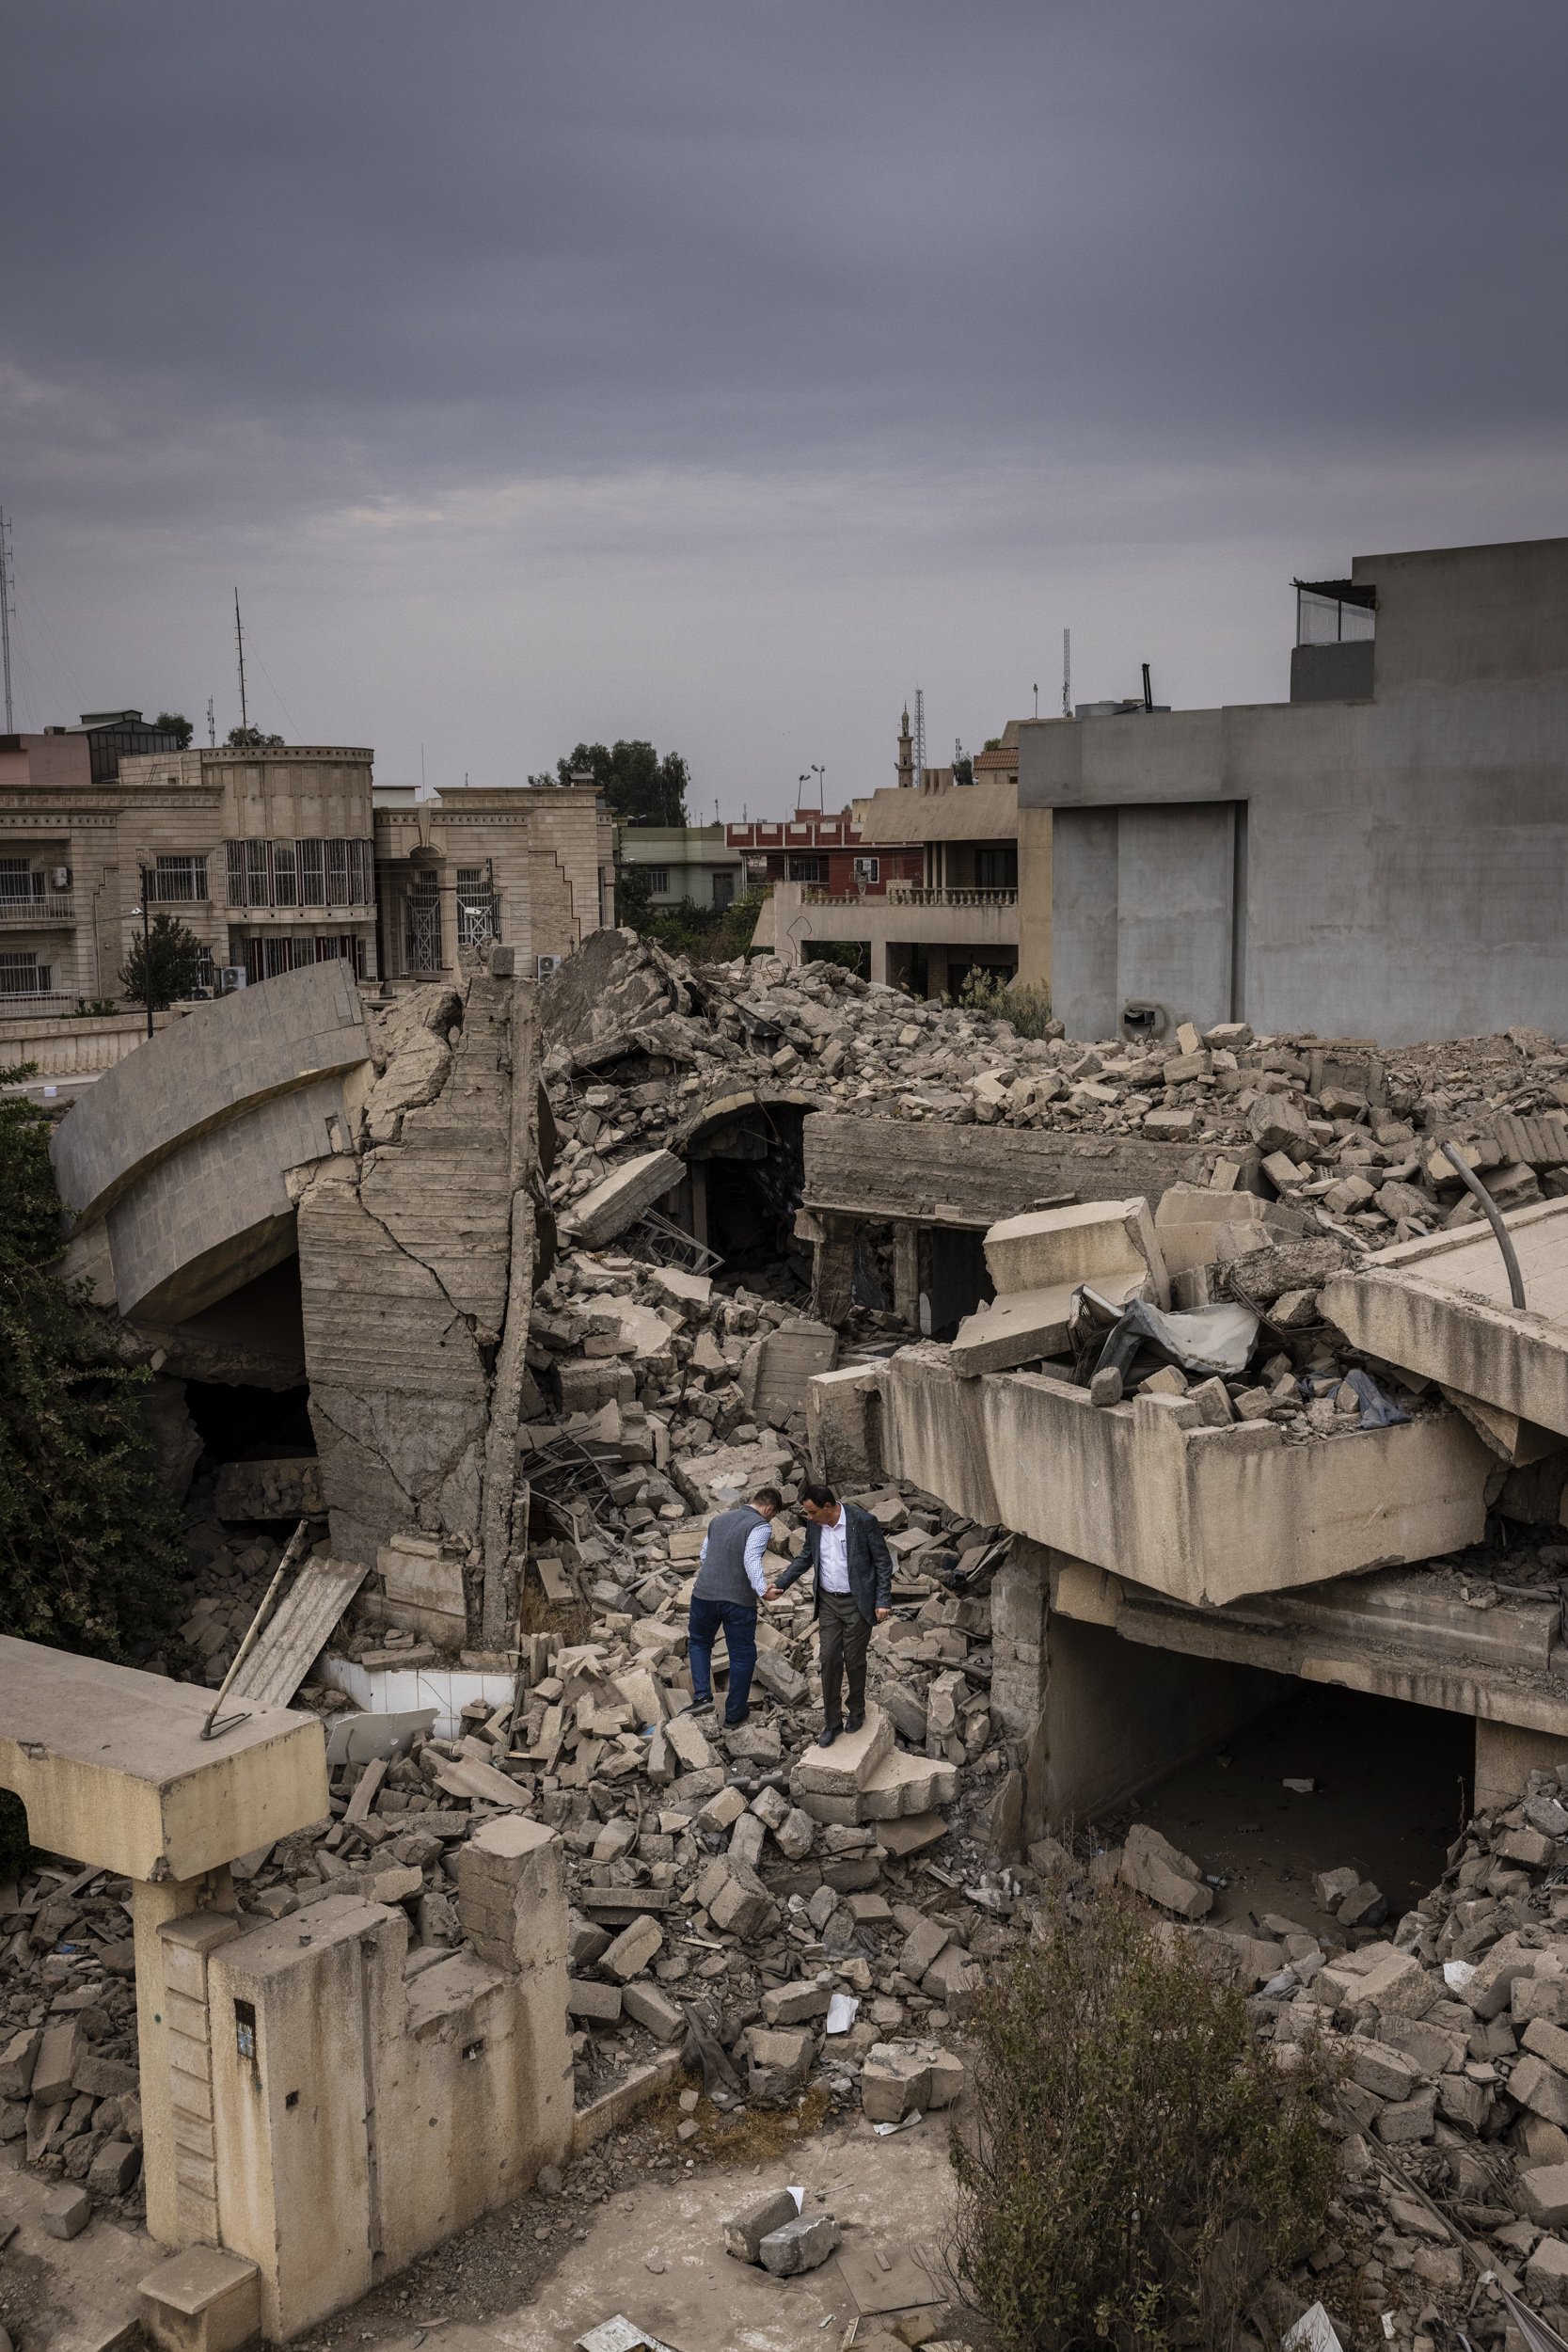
(832, 1554)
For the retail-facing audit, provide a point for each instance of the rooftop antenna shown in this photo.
(1149, 690)
(212, 726)
(1037, 698)
(919, 739)
(7, 606)
(239, 640)
(1066, 672)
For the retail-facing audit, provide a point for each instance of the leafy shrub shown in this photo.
(1026, 1007)
(87, 1540)
(1140, 2163)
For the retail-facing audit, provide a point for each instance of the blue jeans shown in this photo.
(739, 1625)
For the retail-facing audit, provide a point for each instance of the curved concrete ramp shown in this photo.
(181, 1152)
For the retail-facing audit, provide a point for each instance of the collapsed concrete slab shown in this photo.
(1037, 1262)
(1146, 1489)
(620, 1199)
(1441, 1307)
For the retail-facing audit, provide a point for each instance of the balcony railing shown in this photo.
(34, 913)
(895, 895)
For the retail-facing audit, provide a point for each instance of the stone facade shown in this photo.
(533, 868)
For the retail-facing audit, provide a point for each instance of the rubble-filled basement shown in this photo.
(400, 1921)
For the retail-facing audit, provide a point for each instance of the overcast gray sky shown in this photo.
(718, 373)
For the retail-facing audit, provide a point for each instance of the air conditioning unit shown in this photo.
(544, 965)
(59, 878)
(230, 976)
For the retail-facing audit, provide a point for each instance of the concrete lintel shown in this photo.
(111, 1770)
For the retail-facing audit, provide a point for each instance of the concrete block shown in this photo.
(60, 2052)
(398, 1883)
(745, 2231)
(1091, 1241)
(1544, 2194)
(904, 1783)
(795, 2004)
(634, 1949)
(654, 2011)
(804, 2244)
(1388, 2072)
(17, 2061)
(67, 2211)
(596, 2004)
(621, 1198)
(204, 2301)
(778, 2060)
(1547, 2271)
(901, 2078)
(1153, 1867)
(1409, 2121)
(843, 1769)
(1540, 2088)
(920, 1948)
(115, 2168)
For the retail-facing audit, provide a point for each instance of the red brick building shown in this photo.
(823, 851)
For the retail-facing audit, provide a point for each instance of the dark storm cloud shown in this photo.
(1009, 277)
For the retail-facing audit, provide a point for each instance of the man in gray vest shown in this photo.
(729, 1582)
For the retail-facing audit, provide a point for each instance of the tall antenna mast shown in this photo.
(7, 606)
(212, 726)
(239, 639)
(919, 739)
(1066, 672)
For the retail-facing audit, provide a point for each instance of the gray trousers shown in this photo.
(845, 1636)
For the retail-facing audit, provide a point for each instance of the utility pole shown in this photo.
(1066, 672)
(212, 726)
(239, 639)
(7, 606)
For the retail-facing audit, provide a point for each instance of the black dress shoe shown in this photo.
(828, 1734)
(856, 1720)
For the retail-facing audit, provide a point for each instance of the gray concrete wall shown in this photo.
(1406, 858)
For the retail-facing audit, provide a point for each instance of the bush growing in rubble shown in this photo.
(87, 1542)
(1140, 2164)
(1023, 1006)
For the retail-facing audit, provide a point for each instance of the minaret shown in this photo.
(906, 752)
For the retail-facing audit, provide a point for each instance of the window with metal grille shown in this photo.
(23, 974)
(235, 853)
(362, 872)
(284, 892)
(16, 879)
(337, 874)
(257, 873)
(312, 873)
(179, 879)
(659, 878)
(806, 870)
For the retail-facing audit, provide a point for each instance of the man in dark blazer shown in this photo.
(852, 1591)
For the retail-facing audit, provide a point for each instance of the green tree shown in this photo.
(252, 739)
(641, 789)
(171, 955)
(176, 723)
(963, 770)
(87, 1538)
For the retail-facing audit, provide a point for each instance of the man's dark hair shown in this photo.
(770, 1496)
(821, 1498)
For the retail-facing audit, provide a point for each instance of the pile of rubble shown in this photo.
(1349, 1136)
(1448, 2033)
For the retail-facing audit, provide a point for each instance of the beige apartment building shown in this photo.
(979, 900)
(531, 865)
(265, 855)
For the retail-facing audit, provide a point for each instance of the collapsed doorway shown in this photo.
(745, 1176)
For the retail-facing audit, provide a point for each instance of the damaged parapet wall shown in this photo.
(417, 1261)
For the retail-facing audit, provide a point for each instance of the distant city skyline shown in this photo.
(720, 376)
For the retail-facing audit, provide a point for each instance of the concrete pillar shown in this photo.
(154, 1904)
(833, 1270)
(879, 961)
(906, 1273)
(936, 973)
(1506, 1754)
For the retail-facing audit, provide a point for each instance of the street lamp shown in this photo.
(146, 950)
(820, 774)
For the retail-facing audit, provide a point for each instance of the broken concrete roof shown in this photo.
(1440, 1306)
